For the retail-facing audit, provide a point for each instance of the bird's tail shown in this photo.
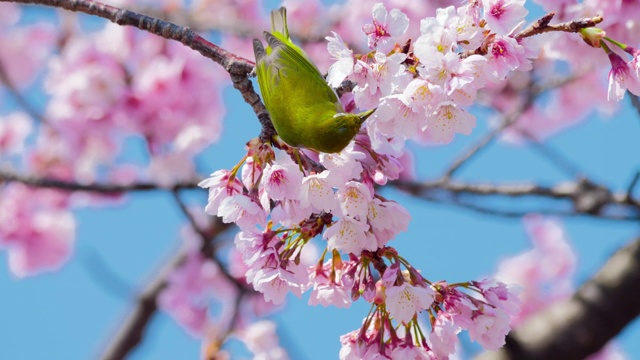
(279, 22)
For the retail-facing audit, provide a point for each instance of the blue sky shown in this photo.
(71, 313)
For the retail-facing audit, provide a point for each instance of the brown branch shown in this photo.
(542, 26)
(635, 101)
(587, 198)
(20, 99)
(9, 176)
(539, 27)
(583, 324)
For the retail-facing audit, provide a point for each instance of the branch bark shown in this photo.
(583, 324)
(587, 198)
(107, 189)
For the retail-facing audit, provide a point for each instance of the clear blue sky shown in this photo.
(71, 313)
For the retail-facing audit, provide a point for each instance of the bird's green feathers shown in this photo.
(304, 110)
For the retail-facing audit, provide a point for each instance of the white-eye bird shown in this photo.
(304, 109)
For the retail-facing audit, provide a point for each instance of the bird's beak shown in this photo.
(365, 114)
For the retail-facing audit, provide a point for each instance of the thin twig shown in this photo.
(20, 99)
(551, 154)
(542, 26)
(587, 199)
(104, 275)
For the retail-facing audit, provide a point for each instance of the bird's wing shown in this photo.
(279, 22)
(281, 60)
(261, 67)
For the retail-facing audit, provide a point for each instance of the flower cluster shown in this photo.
(103, 90)
(282, 198)
(107, 86)
(38, 235)
(561, 71)
(422, 91)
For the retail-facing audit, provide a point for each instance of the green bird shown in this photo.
(304, 109)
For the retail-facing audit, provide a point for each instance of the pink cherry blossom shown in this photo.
(170, 169)
(504, 55)
(503, 15)
(444, 335)
(405, 300)
(544, 272)
(190, 289)
(14, 129)
(343, 166)
(262, 339)
(447, 120)
(352, 349)
(315, 191)
(349, 235)
(344, 60)
(354, 199)
(243, 211)
(409, 353)
(437, 37)
(290, 212)
(621, 78)
(403, 115)
(38, 235)
(282, 181)
(490, 326)
(386, 27)
(328, 288)
(387, 219)
(379, 79)
(23, 50)
(276, 282)
(221, 185)
(501, 296)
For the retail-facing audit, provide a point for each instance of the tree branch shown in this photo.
(20, 99)
(109, 189)
(583, 324)
(587, 198)
(542, 25)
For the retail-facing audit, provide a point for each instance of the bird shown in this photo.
(304, 109)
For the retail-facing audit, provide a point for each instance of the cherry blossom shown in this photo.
(386, 27)
(503, 15)
(261, 339)
(405, 300)
(621, 78)
(328, 288)
(444, 335)
(38, 236)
